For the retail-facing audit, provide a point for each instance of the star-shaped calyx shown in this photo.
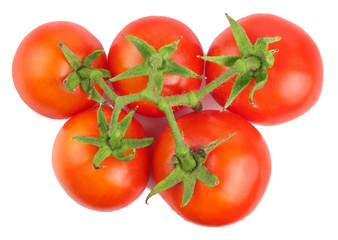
(189, 178)
(81, 71)
(156, 63)
(112, 140)
(253, 63)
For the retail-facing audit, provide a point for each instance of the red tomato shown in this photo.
(39, 68)
(110, 188)
(242, 165)
(294, 81)
(157, 31)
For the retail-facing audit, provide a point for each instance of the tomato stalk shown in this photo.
(155, 65)
(182, 151)
(97, 76)
(188, 164)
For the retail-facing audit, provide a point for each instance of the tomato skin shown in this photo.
(242, 164)
(110, 188)
(294, 81)
(157, 31)
(39, 68)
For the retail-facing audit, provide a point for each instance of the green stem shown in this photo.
(181, 149)
(108, 91)
(216, 83)
(191, 99)
(120, 102)
(186, 99)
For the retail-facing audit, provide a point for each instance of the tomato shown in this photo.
(242, 165)
(39, 68)
(294, 81)
(157, 31)
(110, 188)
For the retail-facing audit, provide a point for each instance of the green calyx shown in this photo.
(253, 63)
(81, 71)
(113, 142)
(156, 63)
(189, 178)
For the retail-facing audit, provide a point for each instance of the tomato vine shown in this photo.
(188, 164)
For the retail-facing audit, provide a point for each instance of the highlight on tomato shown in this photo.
(157, 31)
(111, 185)
(294, 82)
(241, 163)
(40, 68)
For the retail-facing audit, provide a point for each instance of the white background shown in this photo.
(301, 200)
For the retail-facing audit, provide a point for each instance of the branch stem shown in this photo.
(182, 151)
(108, 91)
(243, 65)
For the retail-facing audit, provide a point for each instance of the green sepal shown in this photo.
(207, 178)
(101, 155)
(269, 58)
(102, 123)
(168, 50)
(227, 61)
(205, 150)
(145, 49)
(130, 143)
(125, 122)
(84, 73)
(242, 40)
(90, 59)
(73, 60)
(179, 70)
(174, 177)
(263, 42)
(157, 78)
(119, 154)
(72, 81)
(261, 77)
(85, 85)
(88, 87)
(105, 73)
(261, 50)
(188, 190)
(141, 69)
(96, 141)
(93, 94)
(87, 73)
(242, 80)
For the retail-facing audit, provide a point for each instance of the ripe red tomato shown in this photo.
(110, 188)
(242, 165)
(157, 31)
(39, 68)
(294, 81)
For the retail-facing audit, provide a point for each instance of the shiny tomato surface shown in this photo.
(110, 188)
(40, 68)
(242, 165)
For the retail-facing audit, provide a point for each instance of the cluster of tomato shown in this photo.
(242, 163)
